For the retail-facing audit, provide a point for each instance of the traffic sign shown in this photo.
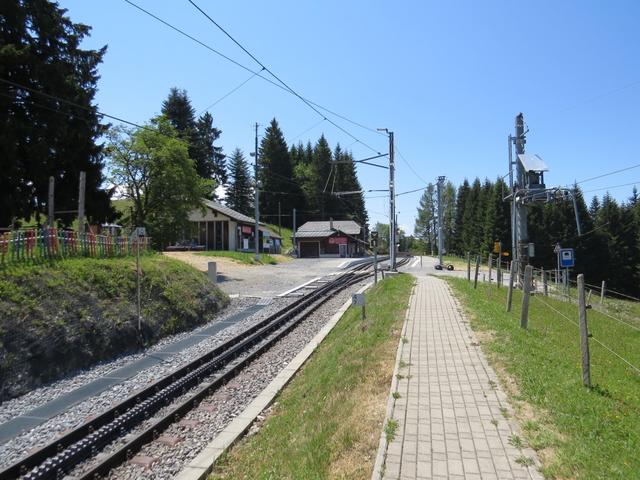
(567, 258)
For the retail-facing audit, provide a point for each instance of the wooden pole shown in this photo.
(490, 266)
(468, 267)
(526, 296)
(499, 282)
(510, 291)
(602, 292)
(545, 283)
(584, 333)
(475, 278)
(50, 202)
(82, 187)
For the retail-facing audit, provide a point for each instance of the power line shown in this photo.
(93, 110)
(610, 187)
(307, 130)
(410, 166)
(608, 174)
(244, 82)
(284, 84)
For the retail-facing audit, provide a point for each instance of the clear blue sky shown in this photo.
(448, 77)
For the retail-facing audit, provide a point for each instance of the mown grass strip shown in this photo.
(244, 257)
(579, 432)
(327, 422)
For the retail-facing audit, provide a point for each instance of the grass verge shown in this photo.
(578, 432)
(326, 423)
(245, 257)
(60, 316)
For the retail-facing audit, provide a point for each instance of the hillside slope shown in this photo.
(60, 317)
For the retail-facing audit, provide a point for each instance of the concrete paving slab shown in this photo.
(449, 398)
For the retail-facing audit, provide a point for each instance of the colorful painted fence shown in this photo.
(52, 243)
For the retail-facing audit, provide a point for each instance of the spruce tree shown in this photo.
(180, 113)
(458, 229)
(240, 189)
(41, 136)
(276, 175)
(321, 173)
(209, 159)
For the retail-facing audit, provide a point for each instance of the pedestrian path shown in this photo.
(451, 413)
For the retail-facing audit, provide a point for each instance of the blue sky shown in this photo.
(448, 77)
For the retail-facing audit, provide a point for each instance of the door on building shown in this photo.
(343, 250)
(309, 249)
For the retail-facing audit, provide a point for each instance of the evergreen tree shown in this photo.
(209, 159)
(347, 181)
(424, 226)
(461, 205)
(321, 175)
(180, 113)
(240, 190)
(41, 136)
(449, 215)
(276, 174)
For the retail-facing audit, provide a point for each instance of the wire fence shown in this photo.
(22, 246)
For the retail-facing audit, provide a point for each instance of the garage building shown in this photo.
(340, 238)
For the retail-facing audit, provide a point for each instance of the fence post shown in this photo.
(499, 273)
(490, 267)
(510, 290)
(584, 333)
(468, 267)
(545, 283)
(475, 278)
(602, 292)
(526, 296)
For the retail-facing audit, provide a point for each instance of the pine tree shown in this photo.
(41, 136)
(240, 189)
(276, 174)
(461, 205)
(321, 175)
(209, 159)
(180, 113)
(424, 226)
(347, 181)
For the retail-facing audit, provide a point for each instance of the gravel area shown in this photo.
(12, 451)
(220, 408)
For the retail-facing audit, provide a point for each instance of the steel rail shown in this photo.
(53, 455)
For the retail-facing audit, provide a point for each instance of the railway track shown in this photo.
(183, 389)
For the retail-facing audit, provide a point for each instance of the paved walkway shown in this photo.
(451, 410)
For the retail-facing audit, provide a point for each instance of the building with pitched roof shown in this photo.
(339, 238)
(218, 227)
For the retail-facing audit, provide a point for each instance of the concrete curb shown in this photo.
(200, 467)
(378, 467)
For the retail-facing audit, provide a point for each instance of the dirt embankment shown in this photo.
(60, 317)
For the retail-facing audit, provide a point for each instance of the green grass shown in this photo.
(579, 432)
(285, 233)
(243, 257)
(329, 417)
(59, 316)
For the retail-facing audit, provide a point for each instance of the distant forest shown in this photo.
(475, 216)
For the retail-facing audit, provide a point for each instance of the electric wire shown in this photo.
(409, 165)
(306, 130)
(608, 174)
(244, 67)
(284, 84)
(235, 89)
(606, 347)
(611, 186)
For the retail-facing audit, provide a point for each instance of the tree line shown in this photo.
(475, 217)
(50, 126)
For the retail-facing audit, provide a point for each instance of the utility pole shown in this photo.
(392, 201)
(392, 204)
(257, 199)
(295, 247)
(521, 252)
(50, 202)
(82, 188)
(440, 226)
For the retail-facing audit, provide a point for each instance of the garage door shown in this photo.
(309, 249)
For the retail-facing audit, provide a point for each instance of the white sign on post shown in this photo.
(357, 299)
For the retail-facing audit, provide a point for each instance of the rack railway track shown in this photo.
(193, 381)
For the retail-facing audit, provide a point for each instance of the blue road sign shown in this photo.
(567, 258)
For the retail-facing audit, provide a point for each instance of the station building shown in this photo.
(219, 227)
(340, 238)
